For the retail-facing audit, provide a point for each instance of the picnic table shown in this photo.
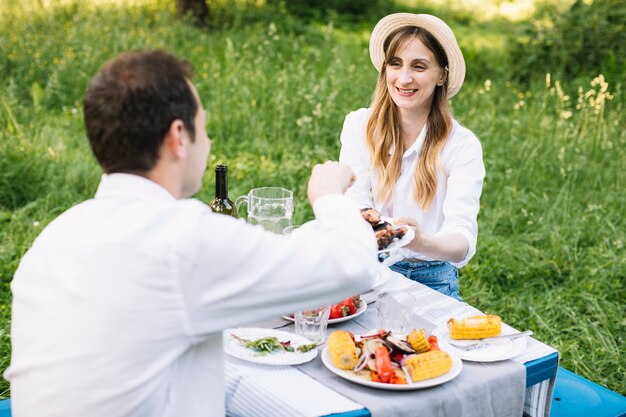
(519, 386)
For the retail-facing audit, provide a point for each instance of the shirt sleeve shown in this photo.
(465, 175)
(241, 274)
(354, 154)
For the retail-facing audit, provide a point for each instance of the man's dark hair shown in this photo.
(131, 103)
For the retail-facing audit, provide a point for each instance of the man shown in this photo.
(119, 306)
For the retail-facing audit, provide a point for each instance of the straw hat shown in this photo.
(437, 27)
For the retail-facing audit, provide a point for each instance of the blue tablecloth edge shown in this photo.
(362, 412)
(5, 408)
(541, 369)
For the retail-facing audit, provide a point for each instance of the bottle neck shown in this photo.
(221, 184)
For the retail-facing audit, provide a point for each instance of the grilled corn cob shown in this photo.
(428, 365)
(476, 327)
(342, 350)
(417, 340)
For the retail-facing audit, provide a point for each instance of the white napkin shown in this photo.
(261, 388)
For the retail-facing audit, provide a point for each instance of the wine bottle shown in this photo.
(221, 203)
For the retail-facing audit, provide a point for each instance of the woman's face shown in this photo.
(412, 76)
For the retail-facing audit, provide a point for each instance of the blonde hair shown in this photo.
(383, 128)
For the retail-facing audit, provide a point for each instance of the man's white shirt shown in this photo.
(119, 306)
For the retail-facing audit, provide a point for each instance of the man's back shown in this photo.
(119, 305)
(105, 279)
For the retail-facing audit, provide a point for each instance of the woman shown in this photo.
(413, 161)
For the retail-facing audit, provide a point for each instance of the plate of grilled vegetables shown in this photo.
(383, 360)
(480, 338)
(388, 235)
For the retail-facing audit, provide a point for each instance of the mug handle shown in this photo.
(239, 201)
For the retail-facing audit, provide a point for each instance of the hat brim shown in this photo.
(436, 27)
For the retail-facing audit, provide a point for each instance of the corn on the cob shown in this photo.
(476, 327)
(417, 340)
(342, 350)
(428, 365)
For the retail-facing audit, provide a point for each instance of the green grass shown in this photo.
(551, 247)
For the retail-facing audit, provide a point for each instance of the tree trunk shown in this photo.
(198, 9)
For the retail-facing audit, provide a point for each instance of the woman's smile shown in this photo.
(406, 92)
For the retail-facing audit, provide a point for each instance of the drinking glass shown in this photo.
(287, 230)
(312, 323)
(271, 207)
(395, 311)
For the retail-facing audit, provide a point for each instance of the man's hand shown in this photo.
(329, 178)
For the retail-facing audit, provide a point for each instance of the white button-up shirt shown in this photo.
(119, 306)
(455, 206)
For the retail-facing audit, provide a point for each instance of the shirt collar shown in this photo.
(130, 185)
(415, 147)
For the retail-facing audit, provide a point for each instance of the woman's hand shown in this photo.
(449, 247)
(418, 241)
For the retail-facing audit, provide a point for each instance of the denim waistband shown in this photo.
(419, 264)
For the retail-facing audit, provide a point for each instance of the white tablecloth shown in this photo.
(482, 390)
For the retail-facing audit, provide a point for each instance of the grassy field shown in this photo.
(551, 246)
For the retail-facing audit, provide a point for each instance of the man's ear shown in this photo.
(174, 141)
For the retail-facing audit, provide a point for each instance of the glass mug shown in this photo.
(395, 311)
(271, 207)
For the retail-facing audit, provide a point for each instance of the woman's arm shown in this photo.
(465, 175)
(449, 247)
(456, 239)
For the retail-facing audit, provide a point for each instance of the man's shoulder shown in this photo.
(77, 210)
(193, 205)
(193, 214)
(99, 215)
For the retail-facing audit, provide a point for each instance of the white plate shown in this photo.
(360, 311)
(497, 350)
(457, 366)
(382, 276)
(234, 347)
(398, 243)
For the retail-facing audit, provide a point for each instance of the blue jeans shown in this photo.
(438, 275)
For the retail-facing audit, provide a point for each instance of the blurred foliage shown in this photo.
(354, 9)
(587, 39)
